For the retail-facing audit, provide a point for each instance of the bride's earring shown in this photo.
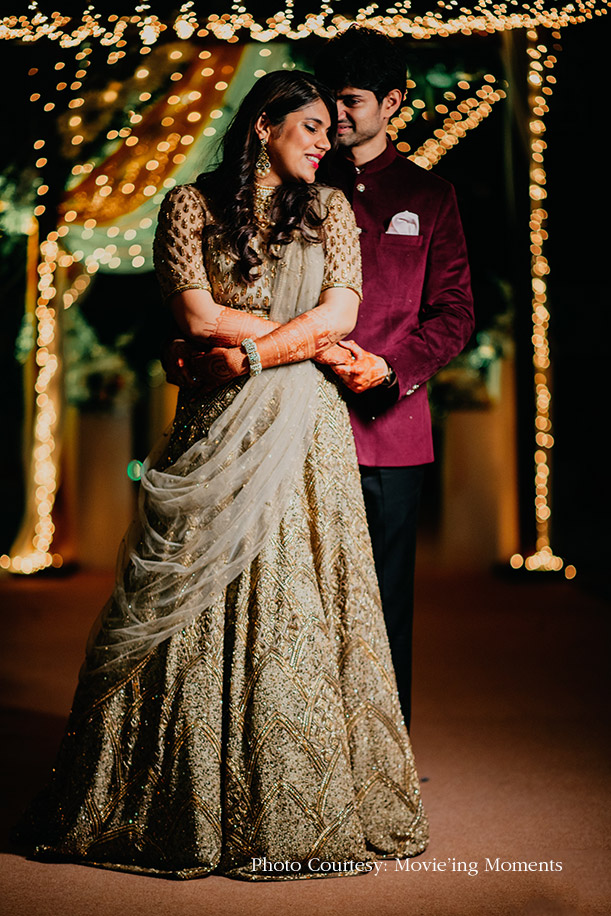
(263, 165)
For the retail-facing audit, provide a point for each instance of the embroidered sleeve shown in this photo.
(342, 246)
(177, 250)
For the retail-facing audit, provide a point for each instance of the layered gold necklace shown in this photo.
(263, 197)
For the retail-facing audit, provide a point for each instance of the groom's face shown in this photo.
(360, 116)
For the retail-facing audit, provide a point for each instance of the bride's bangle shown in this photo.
(254, 360)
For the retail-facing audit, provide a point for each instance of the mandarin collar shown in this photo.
(374, 165)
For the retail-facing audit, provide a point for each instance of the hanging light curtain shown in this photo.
(107, 221)
(111, 214)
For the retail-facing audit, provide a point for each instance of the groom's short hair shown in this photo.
(364, 58)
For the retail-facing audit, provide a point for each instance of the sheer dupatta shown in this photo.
(202, 520)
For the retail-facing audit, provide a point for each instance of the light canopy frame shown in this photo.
(62, 272)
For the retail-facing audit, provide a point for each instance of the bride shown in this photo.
(237, 710)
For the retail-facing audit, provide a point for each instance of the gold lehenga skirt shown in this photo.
(265, 740)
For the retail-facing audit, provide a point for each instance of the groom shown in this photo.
(416, 313)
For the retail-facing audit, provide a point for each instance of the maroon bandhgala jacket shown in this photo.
(417, 309)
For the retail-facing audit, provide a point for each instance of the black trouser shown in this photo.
(391, 497)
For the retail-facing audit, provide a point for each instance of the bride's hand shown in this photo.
(219, 366)
(364, 370)
(335, 355)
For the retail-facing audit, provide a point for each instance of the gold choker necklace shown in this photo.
(262, 204)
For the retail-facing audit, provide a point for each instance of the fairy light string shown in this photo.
(468, 114)
(541, 82)
(397, 20)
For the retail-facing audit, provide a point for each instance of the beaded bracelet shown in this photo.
(254, 360)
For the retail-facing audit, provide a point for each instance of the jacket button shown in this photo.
(360, 186)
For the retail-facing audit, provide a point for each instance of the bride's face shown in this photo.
(296, 146)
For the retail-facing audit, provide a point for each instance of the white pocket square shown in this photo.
(404, 223)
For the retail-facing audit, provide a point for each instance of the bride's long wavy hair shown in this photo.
(229, 187)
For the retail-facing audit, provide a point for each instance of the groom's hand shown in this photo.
(178, 360)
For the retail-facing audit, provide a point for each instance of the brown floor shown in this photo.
(509, 732)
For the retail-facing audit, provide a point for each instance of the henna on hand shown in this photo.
(202, 319)
(220, 326)
(310, 335)
(365, 371)
(231, 326)
(219, 366)
(335, 355)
